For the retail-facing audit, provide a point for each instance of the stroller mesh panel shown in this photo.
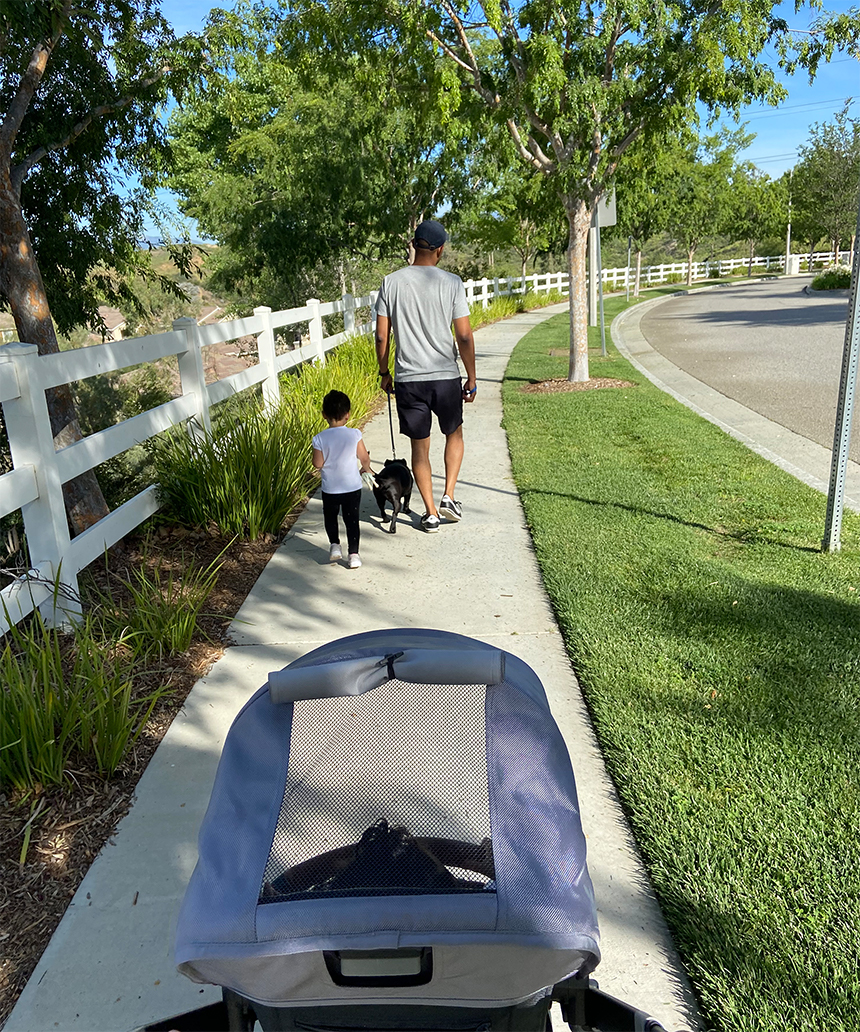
(386, 794)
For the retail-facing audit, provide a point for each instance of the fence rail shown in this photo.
(34, 484)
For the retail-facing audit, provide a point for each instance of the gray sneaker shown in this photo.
(450, 509)
(335, 554)
(429, 523)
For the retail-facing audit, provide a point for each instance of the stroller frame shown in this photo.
(393, 842)
(584, 1007)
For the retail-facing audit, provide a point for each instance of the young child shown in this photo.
(335, 452)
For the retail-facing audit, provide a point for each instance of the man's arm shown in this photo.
(466, 347)
(383, 347)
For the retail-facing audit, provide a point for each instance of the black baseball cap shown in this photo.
(432, 233)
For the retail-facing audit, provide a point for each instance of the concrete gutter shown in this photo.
(797, 455)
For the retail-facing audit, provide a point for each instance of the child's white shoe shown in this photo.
(334, 553)
(354, 561)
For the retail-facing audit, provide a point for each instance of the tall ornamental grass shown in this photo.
(165, 601)
(64, 697)
(252, 469)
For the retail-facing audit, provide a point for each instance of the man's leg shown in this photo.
(422, 472)
(453, 459)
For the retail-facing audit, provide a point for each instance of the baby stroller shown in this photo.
(393, 841)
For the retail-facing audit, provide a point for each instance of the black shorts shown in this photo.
(419, 400)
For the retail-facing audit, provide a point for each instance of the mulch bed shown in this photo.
(69, 827)
(562, 386)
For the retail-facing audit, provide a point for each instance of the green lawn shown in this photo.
(719, 651)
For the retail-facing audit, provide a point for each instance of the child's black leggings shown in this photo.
(347, 504)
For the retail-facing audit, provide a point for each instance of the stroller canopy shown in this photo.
(400, 788)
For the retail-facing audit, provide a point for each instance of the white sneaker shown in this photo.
(334, 553)
(354, 561)
(450, 509)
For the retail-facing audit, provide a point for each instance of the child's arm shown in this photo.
(317, 458)
(363, 456)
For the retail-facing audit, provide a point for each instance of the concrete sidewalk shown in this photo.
(109, 967)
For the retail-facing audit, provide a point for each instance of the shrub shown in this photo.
(251, 470)
(506, 305)
(833, 279)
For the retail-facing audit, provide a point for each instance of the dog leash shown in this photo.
(391, 428)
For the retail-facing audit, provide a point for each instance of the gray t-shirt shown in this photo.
(422, 301)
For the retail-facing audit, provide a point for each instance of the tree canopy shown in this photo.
(576, 84)
(80, 94)
(826, 180)
(294, 162)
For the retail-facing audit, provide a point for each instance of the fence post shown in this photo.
(470, 291)
(484, 295)
(193, 376)
(315, 328)
(31, 443)
(266, 358)
(348, 313)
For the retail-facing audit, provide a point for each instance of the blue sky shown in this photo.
(779, 131)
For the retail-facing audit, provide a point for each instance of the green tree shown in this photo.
(80, 93)
(758, 208)
(302, 170)
(576, 84)
(642, 194)
(514, 210)
(805, 212)
(825, 181)
(699, 191)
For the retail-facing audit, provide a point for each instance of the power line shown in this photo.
(772, 157)
(789, 108)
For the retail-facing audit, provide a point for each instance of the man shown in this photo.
(419, 303)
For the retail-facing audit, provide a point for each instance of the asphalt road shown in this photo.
(769, 346)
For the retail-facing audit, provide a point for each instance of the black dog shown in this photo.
(394, 482)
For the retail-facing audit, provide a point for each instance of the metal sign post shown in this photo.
(627, 277)
(844, 413)
(604, 215)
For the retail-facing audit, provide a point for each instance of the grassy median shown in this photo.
(719, 651)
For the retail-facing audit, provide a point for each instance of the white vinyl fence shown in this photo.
(34, 485)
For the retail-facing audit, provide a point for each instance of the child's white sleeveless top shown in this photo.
(340, 463)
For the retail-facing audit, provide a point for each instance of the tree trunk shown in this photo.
(638, 281)
(691, 251)
(579, 221)
(752, 255)
(21, 282)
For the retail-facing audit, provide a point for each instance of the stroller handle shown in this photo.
(358, 675)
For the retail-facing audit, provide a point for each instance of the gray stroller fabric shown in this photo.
(362, 803)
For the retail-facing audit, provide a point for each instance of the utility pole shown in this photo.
(786, 269)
